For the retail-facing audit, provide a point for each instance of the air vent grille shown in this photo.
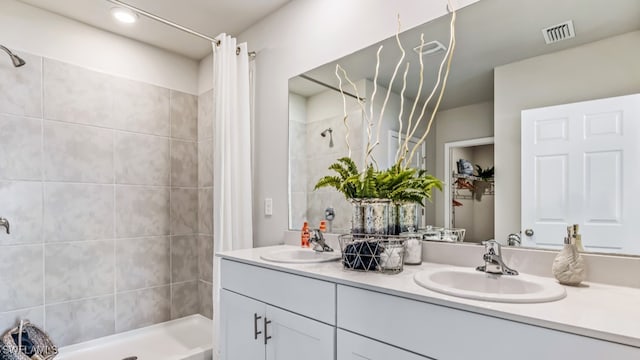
(556, 33)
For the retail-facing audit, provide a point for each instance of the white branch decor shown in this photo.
(400, 183)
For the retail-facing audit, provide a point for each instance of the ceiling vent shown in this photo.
(430, 48)
(556, 33)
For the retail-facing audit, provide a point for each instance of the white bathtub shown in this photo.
(189, 338)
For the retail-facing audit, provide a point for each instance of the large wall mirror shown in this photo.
(502, 66)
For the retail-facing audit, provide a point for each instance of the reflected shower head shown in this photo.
(324, 134)
(15, 59)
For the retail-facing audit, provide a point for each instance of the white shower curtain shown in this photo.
(232, 187)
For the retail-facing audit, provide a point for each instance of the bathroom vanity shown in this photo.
(321, 311)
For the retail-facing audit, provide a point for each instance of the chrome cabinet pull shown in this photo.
(266, 336)
(255, 326)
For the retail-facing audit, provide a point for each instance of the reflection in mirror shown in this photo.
(501, 67)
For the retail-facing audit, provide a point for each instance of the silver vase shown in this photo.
(376, 216)
(408, 218)
(357, 216)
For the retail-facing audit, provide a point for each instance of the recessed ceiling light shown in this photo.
(430, 48)
(123, 15)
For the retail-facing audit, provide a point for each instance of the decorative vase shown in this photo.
(408, 217)
(568, 266)
(376, 216)
(357, 216)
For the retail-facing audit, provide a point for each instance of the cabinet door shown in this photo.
(356, 347)
(294, 337)
(241, 319)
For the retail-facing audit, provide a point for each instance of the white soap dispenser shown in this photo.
(568, 266)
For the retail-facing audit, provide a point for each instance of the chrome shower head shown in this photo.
(15, 59)
(324, 134)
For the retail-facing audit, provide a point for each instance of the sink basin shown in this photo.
(472, 284)
(300, 256)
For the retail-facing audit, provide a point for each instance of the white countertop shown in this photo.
(596, 310)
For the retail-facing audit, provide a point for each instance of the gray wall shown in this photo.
(606, 68)
(99, 179)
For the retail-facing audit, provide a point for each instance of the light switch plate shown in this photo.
(268, 206)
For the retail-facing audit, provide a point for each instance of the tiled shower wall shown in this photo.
(99, 179)
(205, 200)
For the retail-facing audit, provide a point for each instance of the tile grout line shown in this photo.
(115, 234)
(170, 208)
(44, 258)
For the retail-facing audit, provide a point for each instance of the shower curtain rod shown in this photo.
(169, 23)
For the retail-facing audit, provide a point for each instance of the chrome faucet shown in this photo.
(514, 240)
(5, 223)
(493, 263)
(319, 244)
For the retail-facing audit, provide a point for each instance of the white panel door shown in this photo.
(356, 347)
(242, 322)
(579, 166)
(294, 337)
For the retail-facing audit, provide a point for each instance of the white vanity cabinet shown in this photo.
(267, 314)
(355, 347)
(444, 333)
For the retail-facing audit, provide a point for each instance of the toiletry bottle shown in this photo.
(568, 266)
(323, 226)
(304, 236)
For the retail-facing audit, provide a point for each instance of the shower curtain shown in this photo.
(232, 168)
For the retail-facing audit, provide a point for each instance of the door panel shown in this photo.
(294, 337)
(578, 167)
(238, 338)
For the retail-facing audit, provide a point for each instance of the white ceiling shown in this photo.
(205, 16)
(489, 33)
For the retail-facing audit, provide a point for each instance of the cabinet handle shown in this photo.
(255, 326)
(266, 336)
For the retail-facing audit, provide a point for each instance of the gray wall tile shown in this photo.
(205, 292)
(185, 299)
(20, 277)
(78, 270)
(77, 95)
(184, 116)
(184, 211)
(205, 211)
(143, 308)
(142, 263)
(11, 319)
(20, 89)
(22, 206)
(205, 258)
(20, 148)
(184, 163)
(205, 115)
(142, 211)
(73, 322)
(140, 107)
(76, 212)
(205, 163)
(77, 153)
(141, 159)
(184, 258)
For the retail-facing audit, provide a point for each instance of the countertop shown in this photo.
(595, 310)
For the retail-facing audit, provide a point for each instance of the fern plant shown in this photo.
(397, 183)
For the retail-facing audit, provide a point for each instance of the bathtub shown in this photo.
(189, 338)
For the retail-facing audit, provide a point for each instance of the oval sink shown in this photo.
(300, 256)
(472, 284)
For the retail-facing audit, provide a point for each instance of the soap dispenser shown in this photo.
(568, 266)
(305, 235)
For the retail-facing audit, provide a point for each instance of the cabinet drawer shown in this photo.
(308, 297)
(448, 334)
(356, 347)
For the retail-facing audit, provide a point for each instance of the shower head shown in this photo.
(15, 59)
(324, 134)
